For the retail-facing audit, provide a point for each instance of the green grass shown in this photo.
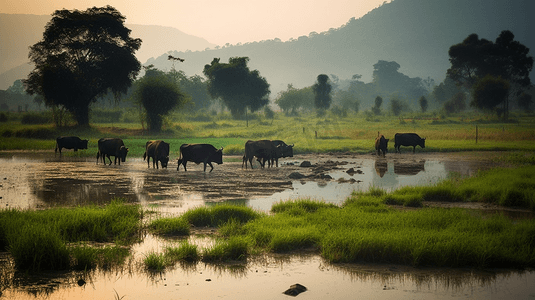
(334, 134)
(366, 230)
(40, 239)
(232, 249)
(170, 226)
(508, 187)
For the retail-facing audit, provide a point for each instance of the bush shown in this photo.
(35, 118)
(3, 117)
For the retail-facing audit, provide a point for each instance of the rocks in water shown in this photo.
(352, 172)
(295, 289)
(296, 175)
(305, 164)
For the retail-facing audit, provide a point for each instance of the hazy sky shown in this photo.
(219, 22)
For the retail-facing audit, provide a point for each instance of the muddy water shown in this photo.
(27, 182)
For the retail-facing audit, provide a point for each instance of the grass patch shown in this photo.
(309, 133)
(366, 229)
(185, 252)
(38, 240)
(509, 187)
(233, 249)
(169, 226)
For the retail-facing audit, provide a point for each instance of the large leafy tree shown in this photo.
(489, 92)
(158, 93)
(82, 56)
(322, 92)
(238, 87)
(475, 58)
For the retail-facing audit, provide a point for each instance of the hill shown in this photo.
(414, 33)
(19, 32)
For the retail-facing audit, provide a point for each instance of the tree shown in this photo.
(476, 58)
(456, 104)
(238, 87)
(524, 102)
(196, 87)
(489, 92)
(159, 94)
(377, 107)
(423, 104)
(322, 92)
(396, 106)
(291, 100)
(82, 55)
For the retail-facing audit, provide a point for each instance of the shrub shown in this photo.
(35, 118)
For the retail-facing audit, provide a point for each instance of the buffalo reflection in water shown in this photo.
(381, 166)
(409, 167)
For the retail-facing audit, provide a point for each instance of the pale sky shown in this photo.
(219, 22)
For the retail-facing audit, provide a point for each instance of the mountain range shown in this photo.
(414, 33)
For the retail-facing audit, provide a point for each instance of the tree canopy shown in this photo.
(159, 94)
(322, 92)
(474, 59)
(83, 55)
(238, 87)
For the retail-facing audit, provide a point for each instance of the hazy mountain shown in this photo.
(415, 33)
(19, 32)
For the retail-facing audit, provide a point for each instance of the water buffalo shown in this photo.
(159, 151)
(111, 147)
(200, 153)
(69, 142)
(408, 139)
(264, 150)
(381, 144)
(285, 151)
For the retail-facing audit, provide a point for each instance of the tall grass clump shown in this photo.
(155, 261)
(36, 247)
(235, 248)
(184, 252)
(39, 239)
(170, 226)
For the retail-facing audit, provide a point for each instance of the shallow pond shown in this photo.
(47, 181)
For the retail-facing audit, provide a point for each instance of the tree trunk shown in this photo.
(81, 113)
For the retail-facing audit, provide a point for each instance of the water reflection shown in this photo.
(271, 274)
(409, 167)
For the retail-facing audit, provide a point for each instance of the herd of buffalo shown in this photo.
(264, 150)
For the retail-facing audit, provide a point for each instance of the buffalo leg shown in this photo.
(211, 167)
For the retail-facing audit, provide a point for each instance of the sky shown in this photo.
(219, 21)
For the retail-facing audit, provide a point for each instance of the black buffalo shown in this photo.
(264, 150)
(285, 151)
(381, 144)
(159, 151)
(200, 153)
(69, 142)
(408, 139)
(111, 147)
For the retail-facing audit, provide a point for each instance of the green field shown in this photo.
(309, 134)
